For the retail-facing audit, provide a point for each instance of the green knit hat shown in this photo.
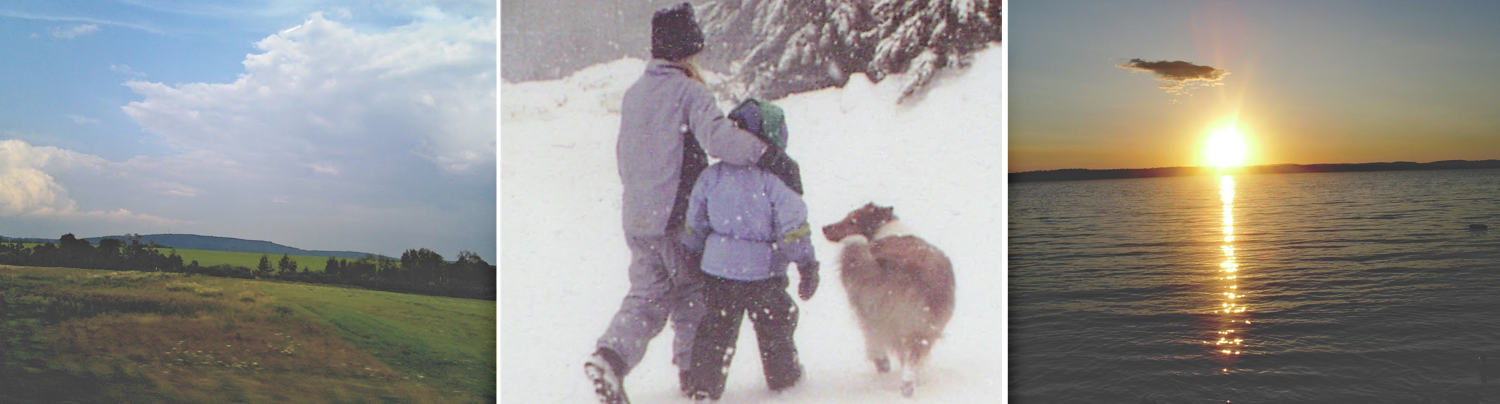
(763, 119)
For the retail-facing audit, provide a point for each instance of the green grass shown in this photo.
(101, 336)
(248, 260)
(446, 342)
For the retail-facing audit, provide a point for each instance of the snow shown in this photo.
(563, 262)
(775, 47)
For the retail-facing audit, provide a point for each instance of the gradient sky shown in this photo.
(350, 125)
(1308, 82)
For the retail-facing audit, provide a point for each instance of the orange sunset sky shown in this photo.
(1137, 85)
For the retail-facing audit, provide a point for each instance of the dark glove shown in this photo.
(777, 162)
(809, 283)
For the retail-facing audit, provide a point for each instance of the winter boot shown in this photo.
(702, 397)
(603, 370)
(785, 381)
(685, 383)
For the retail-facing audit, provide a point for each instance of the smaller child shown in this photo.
(749, 224)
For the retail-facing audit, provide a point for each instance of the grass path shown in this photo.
(448, 342)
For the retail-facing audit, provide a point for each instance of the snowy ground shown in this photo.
(938, 160)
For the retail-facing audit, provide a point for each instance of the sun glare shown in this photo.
(1226, 147)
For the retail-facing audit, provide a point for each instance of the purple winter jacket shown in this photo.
(748, 224)
(662, 105)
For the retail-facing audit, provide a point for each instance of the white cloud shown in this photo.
(91, 21)
(335, 135)
(171, 188)
(28, 190)
(321, 90)
(324, 168)
(31, 190)
(81, 120)
(74, 31)
(126, 69)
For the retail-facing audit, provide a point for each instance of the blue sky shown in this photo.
(1338, 81)
(365, 126)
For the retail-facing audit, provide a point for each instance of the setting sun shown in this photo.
(1226, 147)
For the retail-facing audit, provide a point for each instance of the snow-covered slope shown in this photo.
(563, 257)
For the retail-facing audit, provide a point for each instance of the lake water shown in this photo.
(1296, 288)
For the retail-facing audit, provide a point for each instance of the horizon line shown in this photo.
(1248, 166)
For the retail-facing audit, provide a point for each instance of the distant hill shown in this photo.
(1077, 174)
(214, 243)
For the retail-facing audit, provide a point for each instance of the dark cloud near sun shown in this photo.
(1179, 76)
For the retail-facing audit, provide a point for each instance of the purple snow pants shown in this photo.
(664, 284)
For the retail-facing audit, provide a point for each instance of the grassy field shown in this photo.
(84, 336)
(247, 260)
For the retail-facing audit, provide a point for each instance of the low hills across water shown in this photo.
(1077, 174)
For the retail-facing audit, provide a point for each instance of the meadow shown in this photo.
(248, 260)
(210, 258)
(79, 335)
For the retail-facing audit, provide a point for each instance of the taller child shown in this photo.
(668, 119)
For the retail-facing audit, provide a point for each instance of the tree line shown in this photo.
(419, 271)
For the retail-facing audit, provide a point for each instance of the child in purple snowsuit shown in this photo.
(749, 224)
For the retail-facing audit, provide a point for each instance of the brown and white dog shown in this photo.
(901, 288)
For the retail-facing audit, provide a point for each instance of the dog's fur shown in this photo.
(901, 288)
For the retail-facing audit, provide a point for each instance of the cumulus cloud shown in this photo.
(324, 95)
(30, 189)
(73, 32)
(1178, 77)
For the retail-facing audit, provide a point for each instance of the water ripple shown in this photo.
(1358, 287)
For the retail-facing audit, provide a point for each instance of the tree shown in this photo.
(776, 47)
(137, 256)
(471, 270)
(108, 253)
(75, 252)
(264, 269)
(333, 267)
(386, 268)
(361, 268)
(422, 264)
(466, 258)
(43, 255)
(286, 266)
(173, 263)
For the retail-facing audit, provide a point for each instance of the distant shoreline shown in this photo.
(1083, 174)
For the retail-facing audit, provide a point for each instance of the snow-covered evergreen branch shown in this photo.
(772, 48)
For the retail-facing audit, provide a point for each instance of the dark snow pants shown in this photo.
(774, 315)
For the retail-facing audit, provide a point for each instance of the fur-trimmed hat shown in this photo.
(675, 34)
(762, 119)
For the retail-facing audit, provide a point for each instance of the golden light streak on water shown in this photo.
(1229, 308)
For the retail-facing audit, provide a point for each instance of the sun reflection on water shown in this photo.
(1227, 348)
